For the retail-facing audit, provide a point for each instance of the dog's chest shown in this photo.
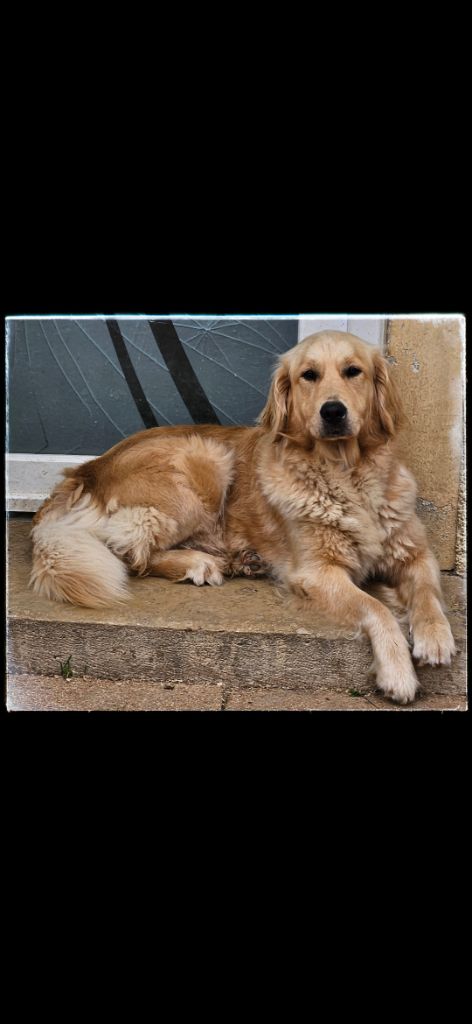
(364, 505)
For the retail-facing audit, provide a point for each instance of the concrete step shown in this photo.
(235, 643)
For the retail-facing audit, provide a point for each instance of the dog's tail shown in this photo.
(71, 561)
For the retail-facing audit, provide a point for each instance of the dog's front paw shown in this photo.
(399, 684)
(433, 643)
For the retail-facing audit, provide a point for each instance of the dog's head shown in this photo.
(332, 387)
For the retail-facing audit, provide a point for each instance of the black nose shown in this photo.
(333, 412)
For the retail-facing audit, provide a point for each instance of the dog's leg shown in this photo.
(419, 585)
(337, 597)
(187, 564)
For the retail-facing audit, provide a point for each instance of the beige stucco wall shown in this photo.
(427, 358)
(461, 536)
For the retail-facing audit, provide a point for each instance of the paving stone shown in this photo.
(257, 699)
(53, 693)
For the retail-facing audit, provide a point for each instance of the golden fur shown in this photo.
(322, 514)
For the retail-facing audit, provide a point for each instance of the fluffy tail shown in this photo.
(70, 560)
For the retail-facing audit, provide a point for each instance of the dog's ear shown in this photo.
(274, 414)
(388, 414)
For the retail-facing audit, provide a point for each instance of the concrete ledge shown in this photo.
(242, 636)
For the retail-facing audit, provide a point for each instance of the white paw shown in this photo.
(205, 571)
(433, 643)
(399, 684)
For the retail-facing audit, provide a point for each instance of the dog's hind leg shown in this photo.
(186, 564)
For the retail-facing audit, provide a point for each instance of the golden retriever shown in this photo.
(313, 495)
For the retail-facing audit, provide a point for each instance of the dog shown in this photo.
(313, 495)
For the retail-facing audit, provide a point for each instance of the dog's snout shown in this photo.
(333, 412)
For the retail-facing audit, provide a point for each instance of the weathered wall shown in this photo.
(461, 536)
(428, 363)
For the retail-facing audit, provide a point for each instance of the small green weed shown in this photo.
(66, 668)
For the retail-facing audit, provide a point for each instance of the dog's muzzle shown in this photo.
(334, 417)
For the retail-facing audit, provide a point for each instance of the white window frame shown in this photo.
(371, 329)
(30, 478)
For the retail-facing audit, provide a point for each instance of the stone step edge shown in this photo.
(269, 660)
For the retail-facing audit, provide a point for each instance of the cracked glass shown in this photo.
(78, 386)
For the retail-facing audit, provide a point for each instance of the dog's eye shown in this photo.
(352, 371)
(310, 375)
